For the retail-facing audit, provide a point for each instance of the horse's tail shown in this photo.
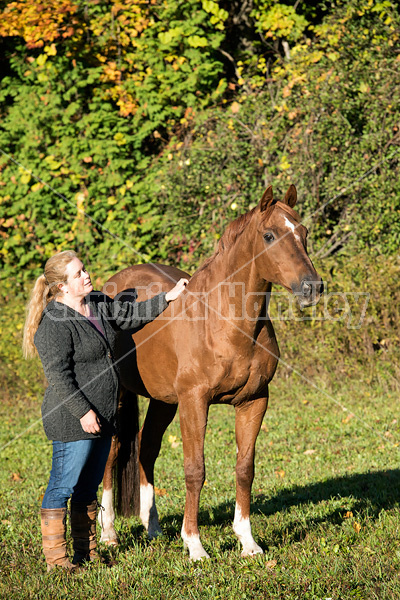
(126, 472)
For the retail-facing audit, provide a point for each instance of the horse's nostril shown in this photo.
(306, 288)
(311, 288)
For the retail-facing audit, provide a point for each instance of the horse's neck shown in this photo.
(235, 291)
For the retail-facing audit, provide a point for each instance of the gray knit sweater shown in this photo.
(78, 361)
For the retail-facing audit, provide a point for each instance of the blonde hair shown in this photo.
(44, 290)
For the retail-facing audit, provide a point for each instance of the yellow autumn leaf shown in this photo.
(284, 164)
(41, 59)
(25, 178)
(173, 441)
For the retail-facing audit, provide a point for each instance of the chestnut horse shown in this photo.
(214, 344)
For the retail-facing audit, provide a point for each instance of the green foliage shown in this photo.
(328, 121)
(140, 131)
(278, 20)
(71, 157)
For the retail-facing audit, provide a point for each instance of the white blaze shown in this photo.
(292, 228)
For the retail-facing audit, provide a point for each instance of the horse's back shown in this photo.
(147, 279)
(146, 359)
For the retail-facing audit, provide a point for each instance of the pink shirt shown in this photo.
(97, 323)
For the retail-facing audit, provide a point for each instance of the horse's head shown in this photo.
(282, 248)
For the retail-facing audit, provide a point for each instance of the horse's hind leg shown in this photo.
(106, 514)
(159, 416)
(249, 417)
(121, 469)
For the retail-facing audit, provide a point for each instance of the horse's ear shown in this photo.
(291, 196)
(267, 199)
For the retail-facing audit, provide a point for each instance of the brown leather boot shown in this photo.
(83, 530)
(53, 538)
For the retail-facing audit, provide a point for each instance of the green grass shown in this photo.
(325, 504)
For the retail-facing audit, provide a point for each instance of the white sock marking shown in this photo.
(193, 544)
(242, 528)
(148, 511)
(106, 517)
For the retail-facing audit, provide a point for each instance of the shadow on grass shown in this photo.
(374, 491)
(367, 494)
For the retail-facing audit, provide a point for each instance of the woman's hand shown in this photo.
(177, 290)
(90, 422)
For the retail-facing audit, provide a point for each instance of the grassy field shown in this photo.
(325, 504)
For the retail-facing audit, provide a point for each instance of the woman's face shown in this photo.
(78, 280)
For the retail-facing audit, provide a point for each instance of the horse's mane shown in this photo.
(229, 237)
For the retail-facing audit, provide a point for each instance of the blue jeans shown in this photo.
(77, 470)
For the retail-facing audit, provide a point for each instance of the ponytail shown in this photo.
(43, 291)
(38, 301)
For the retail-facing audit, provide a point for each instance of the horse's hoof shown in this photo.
(199, 556)
(112, 543)
(252, 551)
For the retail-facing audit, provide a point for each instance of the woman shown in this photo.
(75, 337)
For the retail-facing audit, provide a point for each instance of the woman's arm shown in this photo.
(132, 314)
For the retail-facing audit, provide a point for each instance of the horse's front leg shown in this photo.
(106, 514)
(249, 417)
(193, 420)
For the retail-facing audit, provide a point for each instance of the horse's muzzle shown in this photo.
(309, 292)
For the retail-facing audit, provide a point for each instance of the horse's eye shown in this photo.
(268, 237)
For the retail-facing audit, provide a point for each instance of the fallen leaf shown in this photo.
(16, 477)
(357, 527)
(270, 564)
(173, 441)
(160, 491)
(308, 452)
(348, 515)
(348, 418)
(280, 473)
